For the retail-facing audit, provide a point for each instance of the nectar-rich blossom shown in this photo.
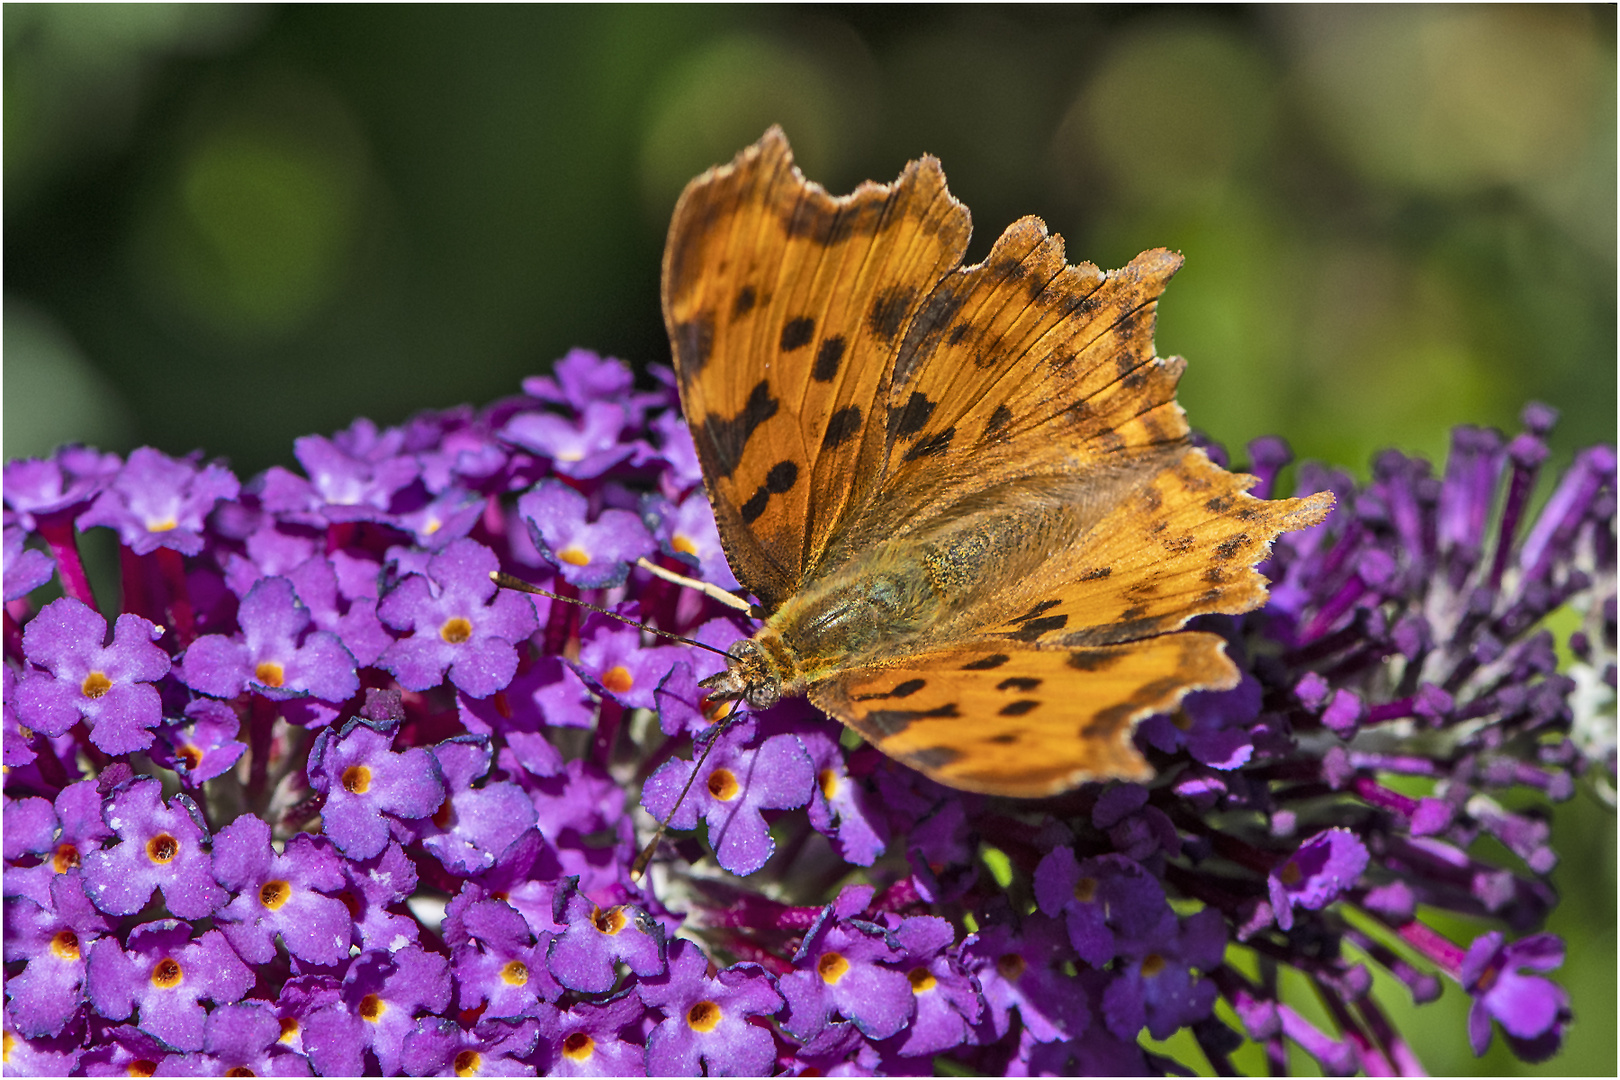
(308, 794)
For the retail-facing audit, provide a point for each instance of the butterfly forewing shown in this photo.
(1007, 719)
(965, 494)
(785, 306)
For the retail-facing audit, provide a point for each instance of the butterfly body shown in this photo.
(964, 495)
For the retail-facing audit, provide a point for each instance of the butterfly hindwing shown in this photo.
(784, 307)
(1007, 719)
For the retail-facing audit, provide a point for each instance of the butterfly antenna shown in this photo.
(639, 867)
(507, 581)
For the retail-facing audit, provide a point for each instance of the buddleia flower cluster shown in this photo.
(302, 792)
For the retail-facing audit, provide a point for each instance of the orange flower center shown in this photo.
(723, 785)
(289, 1029)
(704, 1016)
(356, 779)
(515, 973)
(65, 945)
(832, 967)
(141, 1068)
(1152, 964)
(618, 679)
(240, 1070)
(578, 1046)
(65, 859)
(467, 1063)
(372, 1007)
(95, 684)
(162, 848)
(1010, 966)
(922, 980)
(455, 630)
(827, 780)
(269, 673)
(166, 974)
(611, 921)
(272, 894)
(683, 545)
(1290, 874)
(574, 556)
(190, 755)
(1085, 890)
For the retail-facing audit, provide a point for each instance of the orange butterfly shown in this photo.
(964, 496)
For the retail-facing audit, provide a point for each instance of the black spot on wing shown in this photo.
(894, 721)
(926, 329)
(755, 505)
(958, 332)
(782, 477)
(1227, 549)
(932, 446)
(905, 689)
(934, 757)
(1006, 738)
(842, 426)
(1024, 685)
(796, 333)
(1035, 628)
(888, 312)
(728, 436)
(1018, 708)
(1220, 504)
(998, 420)
(828, 357)
(1044, 605)
(1094, 659)
(746, 298)
(1097, 574)
(987, 663)
(909, 418)
(693, 341)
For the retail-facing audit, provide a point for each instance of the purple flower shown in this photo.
(367, 785)
(583, 955)
(372, 886)
(580, 449)
(166, 975)
(203, 749)
(688, 533)
(843, 968)
(1155, 986)
(733, 786)
(162, 849)
(440, 1047)
(62, 482)
(1018, 968)
(841, 807)
(276, 658)
(357, 471)
(1531, 1010)
(26, 569)
(158, 501)
(474, 824)
(280, 895)
(459, 621)
(948, 1003)
(1323, 868)
(382, 995)
(502, 965)
(1109, 903)
(706, 1031)
(110, 686)
(244, 1039)
(586, 1039)
(612, 656)
(589, 555)
(580, 378)
(53, 940)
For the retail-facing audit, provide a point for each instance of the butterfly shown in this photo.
(964, 496)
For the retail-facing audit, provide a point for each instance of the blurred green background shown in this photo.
(226, 226)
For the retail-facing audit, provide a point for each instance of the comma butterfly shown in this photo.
(965, 496)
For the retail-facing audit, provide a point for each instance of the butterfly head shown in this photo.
(749, 676)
